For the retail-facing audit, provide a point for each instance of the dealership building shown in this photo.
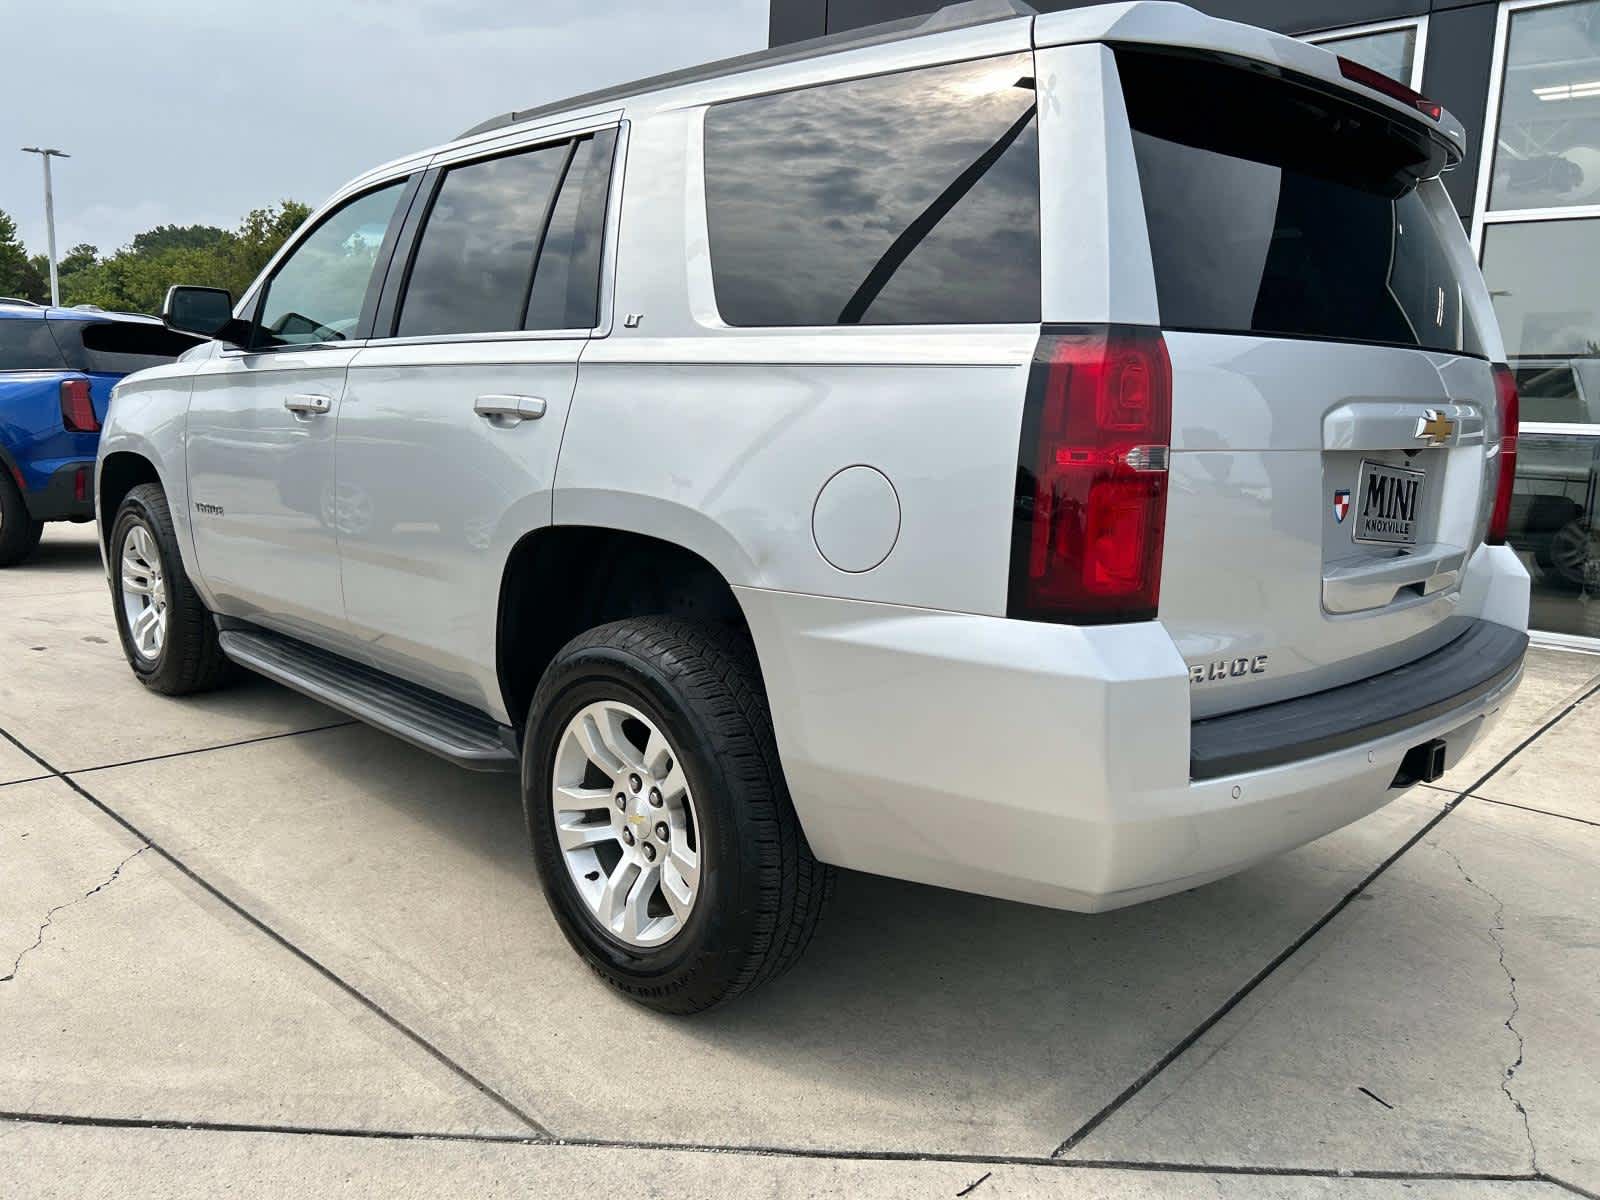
(1523, 76)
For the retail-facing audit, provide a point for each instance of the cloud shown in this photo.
(182, 111)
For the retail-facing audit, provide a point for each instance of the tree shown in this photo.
(260, 234)
(176, 237)
(79, 258)
(136, 278)
(18, 276)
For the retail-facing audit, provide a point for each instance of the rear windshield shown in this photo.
(1277, 208)
(26, 345)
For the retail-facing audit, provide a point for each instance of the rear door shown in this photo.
(448, 434)
(1333, 403)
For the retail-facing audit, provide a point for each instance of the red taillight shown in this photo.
(1393, 88)
(77, 409)
(1092, 477)
(1507, 405)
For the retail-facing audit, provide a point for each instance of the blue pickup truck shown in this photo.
(57, 369)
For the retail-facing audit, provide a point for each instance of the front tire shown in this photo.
(167, 632)
(19, 532)
(667, 844)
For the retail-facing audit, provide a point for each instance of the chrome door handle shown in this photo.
(308, 405)
(509, 408)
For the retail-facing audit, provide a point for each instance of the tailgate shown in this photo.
(1334, 420)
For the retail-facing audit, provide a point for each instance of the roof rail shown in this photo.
(951, 16)
(20, 302)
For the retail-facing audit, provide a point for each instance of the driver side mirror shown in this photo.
(206, 311)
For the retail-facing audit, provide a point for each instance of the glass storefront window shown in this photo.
(1547, 297)
(1547, 147)
(1553, 529)
(1546, 289)
(1392, 51)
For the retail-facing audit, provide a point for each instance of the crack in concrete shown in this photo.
(1496, 932)
(49, 917)
(974, 1185)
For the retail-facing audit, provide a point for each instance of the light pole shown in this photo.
(45, 155)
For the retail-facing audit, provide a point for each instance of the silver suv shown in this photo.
(1061, 457)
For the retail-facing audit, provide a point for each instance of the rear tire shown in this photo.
(699, 728)
(19, 532)
(183, 655)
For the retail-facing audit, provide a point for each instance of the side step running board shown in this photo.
(424, 718)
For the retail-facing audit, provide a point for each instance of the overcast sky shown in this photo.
(185, 111)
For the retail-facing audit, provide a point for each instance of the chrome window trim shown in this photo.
(291, 347)
(498, 335)
(525, 138)
(1419, 52)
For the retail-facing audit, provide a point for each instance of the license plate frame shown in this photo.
(1397, 500)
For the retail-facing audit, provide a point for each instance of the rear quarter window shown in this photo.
(26, 345)
(903, 199)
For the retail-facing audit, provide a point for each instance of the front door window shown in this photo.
(317, 294)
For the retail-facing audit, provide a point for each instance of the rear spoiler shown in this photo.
(1161, 24)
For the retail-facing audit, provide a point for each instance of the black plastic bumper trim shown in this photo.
(1473, 665)
(57, 499)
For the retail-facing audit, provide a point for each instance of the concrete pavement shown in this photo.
(259, 949)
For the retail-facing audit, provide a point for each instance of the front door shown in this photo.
(449, 431)
(267, 507)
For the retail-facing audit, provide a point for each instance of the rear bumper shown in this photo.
(60, 499)
(1052, 764)
(1474, 665)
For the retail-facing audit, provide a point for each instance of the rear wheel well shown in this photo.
(562, 580)
(120, 474)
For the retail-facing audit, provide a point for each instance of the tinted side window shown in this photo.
(566, 287)
(317, 293)
(26, 345)
(475, 259)
(903, 199)
(120, 347)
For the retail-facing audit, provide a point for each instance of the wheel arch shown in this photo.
(560, 580)
(119, 473)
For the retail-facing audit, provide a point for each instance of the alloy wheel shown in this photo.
(625, 823)
(144, 593)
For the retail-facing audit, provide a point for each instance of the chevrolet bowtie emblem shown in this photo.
(1434, 427)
